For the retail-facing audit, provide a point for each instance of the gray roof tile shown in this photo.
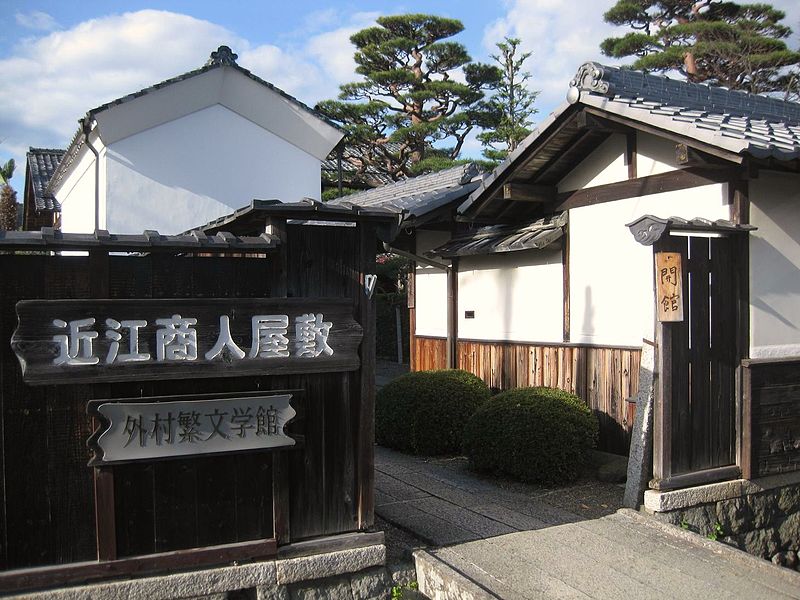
(767, 125)
(733, 121)
(418, 196)
(42, 163)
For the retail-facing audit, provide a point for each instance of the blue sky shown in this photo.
(59, 59)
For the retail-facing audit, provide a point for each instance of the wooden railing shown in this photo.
(604, 377)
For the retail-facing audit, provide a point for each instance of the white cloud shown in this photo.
(36, 20)
(333, 50)
(561, 35)
(51, 80)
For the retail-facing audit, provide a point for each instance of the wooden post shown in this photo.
(104, 513)
(278, 270)
(565, 284)
(398, 321)
(452, 315)
(365, 436)
(630, 154)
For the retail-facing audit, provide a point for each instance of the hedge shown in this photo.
(424, 412)
(538, 435)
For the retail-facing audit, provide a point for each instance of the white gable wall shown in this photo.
(431, 288)
(775, 266)
(197, 168)
(654, 155)
(76, 194)
(611, 274)
(516, 296)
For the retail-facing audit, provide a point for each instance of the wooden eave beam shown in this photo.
(574, 155)
(588, 120)
(475, 210)
(645, 186)
(688, 156)
(732, 157)
(528, 192)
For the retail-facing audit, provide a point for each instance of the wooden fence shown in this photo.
(604, 377)
(771, 417)
(143, 516)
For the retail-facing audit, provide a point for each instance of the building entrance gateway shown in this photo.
(701, 331)
(224, 385)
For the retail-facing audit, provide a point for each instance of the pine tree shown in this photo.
(738, 46)
(408, 113)
(8, 198)
(511, 105)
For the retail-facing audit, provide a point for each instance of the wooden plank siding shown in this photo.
(154, 515)
(603, 377)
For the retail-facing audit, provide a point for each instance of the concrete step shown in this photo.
(623, 555)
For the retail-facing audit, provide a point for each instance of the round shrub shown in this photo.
(537, 434)
(424, 412)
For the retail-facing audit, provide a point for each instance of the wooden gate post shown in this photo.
(365, 450)
(278, 273)
(104, 510)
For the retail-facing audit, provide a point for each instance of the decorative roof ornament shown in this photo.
(590, 77)
(222, 56)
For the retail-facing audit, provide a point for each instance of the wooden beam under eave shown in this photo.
(528, 192)
(644, 186)
(728, 155)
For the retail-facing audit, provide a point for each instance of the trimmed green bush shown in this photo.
(537, 434)
(424, 412)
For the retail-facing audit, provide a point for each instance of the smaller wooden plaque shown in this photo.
(669, 287)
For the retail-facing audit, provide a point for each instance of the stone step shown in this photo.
(624, 555)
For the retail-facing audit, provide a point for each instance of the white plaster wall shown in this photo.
(431, 288)
(611, 275)
(76, 195)
(654, 155)
(516, 296)
(775, 266)
(604, 165)
(192, 170)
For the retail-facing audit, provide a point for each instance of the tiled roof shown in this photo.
(350, 156)
(42, 163)
(732, 121)
(53, 239)
(494, 239)
(737, 121)
(418, 196)
(221, 57)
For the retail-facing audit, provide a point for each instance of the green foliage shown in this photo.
(397, 590)
(739, 46)
(7, 171)
(386, 305)
(537, 434)
(333, 193)
(407, 100)
(8, 208)
(511, 106)
(424, 412)
(716, 532)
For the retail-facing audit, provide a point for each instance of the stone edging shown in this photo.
(729, 552)
(268, 573)
(656, 501)
(437, 579)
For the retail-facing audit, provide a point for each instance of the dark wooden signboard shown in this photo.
(772, 388)
(152, 429)
(77, 341)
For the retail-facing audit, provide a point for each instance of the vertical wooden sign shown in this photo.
(669, 286)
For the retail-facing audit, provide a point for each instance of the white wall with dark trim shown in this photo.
(775, 265)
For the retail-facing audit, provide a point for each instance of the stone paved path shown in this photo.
(492, 539)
